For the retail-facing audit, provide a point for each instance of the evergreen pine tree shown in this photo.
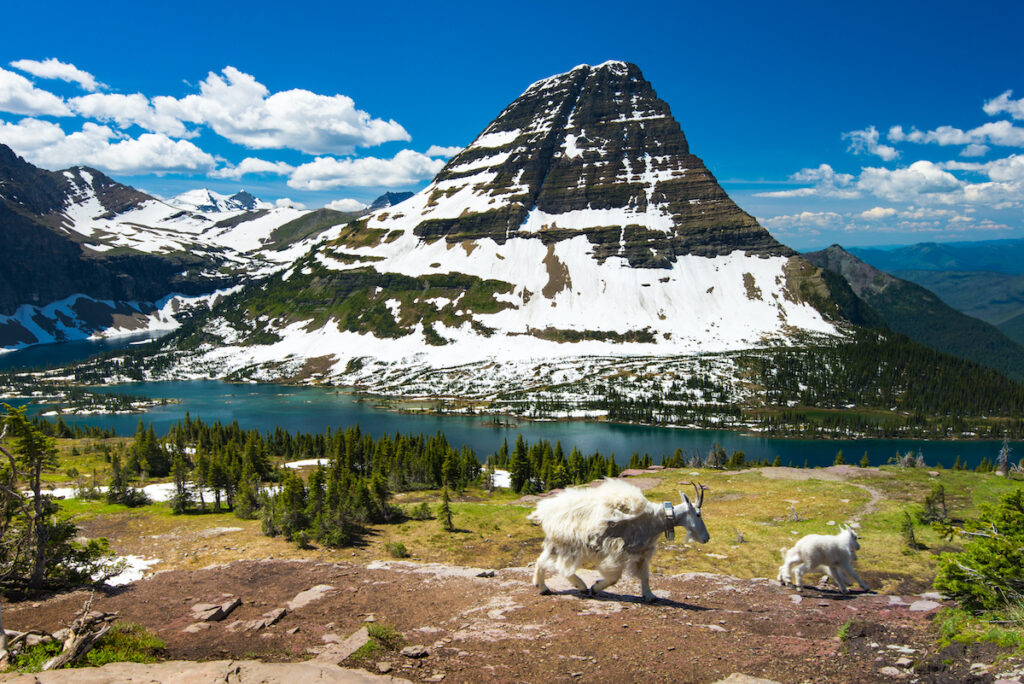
(519, 467)
(613, 467)
(181, 500)
(839, 458)
(865, 462)
(444, 512)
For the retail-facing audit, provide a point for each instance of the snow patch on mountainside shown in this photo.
(80, 317)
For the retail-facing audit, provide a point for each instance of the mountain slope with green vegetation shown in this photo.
(989, 295)
(916, 312)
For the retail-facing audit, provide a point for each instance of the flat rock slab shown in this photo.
(924, 605)
(740, 678)
(210, 672)
(304, 598)
(336, 653)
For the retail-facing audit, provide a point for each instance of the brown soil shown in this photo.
(498, 628)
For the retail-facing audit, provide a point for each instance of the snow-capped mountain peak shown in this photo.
(578, 223)
(206, 201)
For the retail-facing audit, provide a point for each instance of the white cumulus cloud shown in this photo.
(240, 108)
(440, 151)
(921, 178)
(19, 96)
(826, 183)
(346, 205)
(866, 142)
(253, 165)
(405, 168)
(1003, 103)
(1001, 133)
(126, 110)
(974, 150)
(46, 144)
(877, 213)
(54, 68)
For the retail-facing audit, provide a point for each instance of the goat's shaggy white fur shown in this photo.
(612, 526)
(831, 554)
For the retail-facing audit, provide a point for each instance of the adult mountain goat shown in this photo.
(831, 554)
(612, 526)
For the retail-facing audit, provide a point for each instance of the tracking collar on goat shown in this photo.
(674, 515)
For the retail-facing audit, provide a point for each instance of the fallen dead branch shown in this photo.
(89, 627)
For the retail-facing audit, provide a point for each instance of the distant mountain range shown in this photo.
(916, 312)
(982, 279)
(86, 255)
(1000, 256)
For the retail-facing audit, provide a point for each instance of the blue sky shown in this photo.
(791, 105)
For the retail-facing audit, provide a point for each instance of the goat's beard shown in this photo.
(689, 537)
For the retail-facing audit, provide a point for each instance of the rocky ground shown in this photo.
(475, 626)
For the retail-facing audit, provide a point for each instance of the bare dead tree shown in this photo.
(88, 628)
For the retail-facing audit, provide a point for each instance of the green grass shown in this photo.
(32, 659)
(844, 632)
(957, 625)
(126, 642)
(383, 638)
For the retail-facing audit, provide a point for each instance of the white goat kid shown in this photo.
(612, 526)
(830, 554)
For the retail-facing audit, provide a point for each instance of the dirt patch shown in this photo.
(558, 274)
(836, 473)
(484, 629)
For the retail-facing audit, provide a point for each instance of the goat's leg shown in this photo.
(837, 577)
(643, 573)
(609, 576)
(798, 576)
(540, 570)
(578, 583)
(853, 573)
(786, 572)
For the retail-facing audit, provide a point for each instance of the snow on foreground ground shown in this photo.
(502, 478)
(135, 569)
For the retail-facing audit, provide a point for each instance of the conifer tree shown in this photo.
(519, 467)
(444, 512)
(839, 458)
(613, 468)
(181, 500)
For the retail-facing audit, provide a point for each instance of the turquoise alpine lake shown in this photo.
(314, 409)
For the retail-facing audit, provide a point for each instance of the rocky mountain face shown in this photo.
(592, 152)
(578, 223)
(88, 255)
(389, 199)
(919, 314)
